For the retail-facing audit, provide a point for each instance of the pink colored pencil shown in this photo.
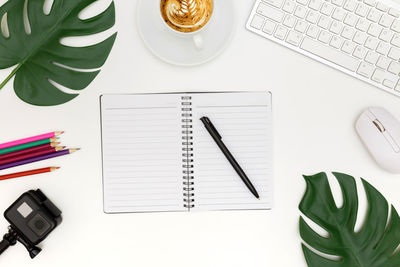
(30, 139)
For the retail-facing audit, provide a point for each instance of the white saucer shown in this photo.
(182, 51)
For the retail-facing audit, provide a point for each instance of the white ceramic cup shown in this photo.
(196, 36)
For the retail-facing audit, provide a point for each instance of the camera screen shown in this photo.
(24, 210)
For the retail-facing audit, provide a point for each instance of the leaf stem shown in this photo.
(10, 76)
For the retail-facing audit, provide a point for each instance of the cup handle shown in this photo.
(198, 41)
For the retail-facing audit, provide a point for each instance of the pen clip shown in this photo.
(208, 122)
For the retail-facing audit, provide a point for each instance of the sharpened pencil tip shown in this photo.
(72, 150)
(54, 168)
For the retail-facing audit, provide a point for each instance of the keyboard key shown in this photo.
(370, 2)
(394, 53)
(396, 40)
(300, 12)
(392, 78)
(289, 6)
(324, 37)
(312, 17)
(374, 15)
(386, 20)
(324, 22)
(360, 52)
(348, 33)
(326, 9)
(362, 25)
(270, 12)
(378, 76)
(312, 31)
(371, 43)
(350, 5)
(329, 54)
(289, 21)
(374, 30)
(397, 88)
(280, 32)
(389, 83)
(301, 26)
(396, 26)
(394, 12)
(350, 19)
(382, 7)
(294, 38)
(338, 14)
(348, 47)
(337, 2)
(383, 48)
(372, 57)
(269, 27)
(315, 4)
(275, 3)
(383, 62)
(257, 22)
(365, 69)
(386, 35)
(394, 68)
(302, 2)
(362, 10)
(336, 27)
(360, 37)
(336, 42)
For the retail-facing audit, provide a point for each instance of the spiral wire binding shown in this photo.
(187, 155)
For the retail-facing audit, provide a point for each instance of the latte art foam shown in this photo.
(186, 15)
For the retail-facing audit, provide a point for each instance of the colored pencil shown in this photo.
(31, 155)
(28, 150)
(27, 145)
(30, 139)
(27, 173)
(39, 158)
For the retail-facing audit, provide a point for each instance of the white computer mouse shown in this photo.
(380, 132)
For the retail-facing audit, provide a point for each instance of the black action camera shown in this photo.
(32, 217)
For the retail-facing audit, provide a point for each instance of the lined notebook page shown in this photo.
(244, 121)
(142, 153)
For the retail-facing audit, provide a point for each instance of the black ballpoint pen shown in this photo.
(218, 139)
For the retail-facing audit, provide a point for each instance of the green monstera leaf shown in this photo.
(41, 60)
(374, 245)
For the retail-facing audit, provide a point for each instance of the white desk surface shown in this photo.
(315, 108)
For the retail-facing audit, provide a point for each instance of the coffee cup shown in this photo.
(187, 18)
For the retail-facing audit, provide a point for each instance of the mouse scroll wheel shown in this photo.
(379, 125)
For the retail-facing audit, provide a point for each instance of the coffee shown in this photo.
(186, 15)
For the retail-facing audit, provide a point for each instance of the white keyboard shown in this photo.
(358, 37)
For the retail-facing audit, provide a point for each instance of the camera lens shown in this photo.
(39, 225)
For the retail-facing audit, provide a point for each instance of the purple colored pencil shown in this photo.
(39, 158)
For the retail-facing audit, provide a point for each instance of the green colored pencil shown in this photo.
(27, 145)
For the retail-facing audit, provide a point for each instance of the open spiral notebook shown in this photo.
(157, 155)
